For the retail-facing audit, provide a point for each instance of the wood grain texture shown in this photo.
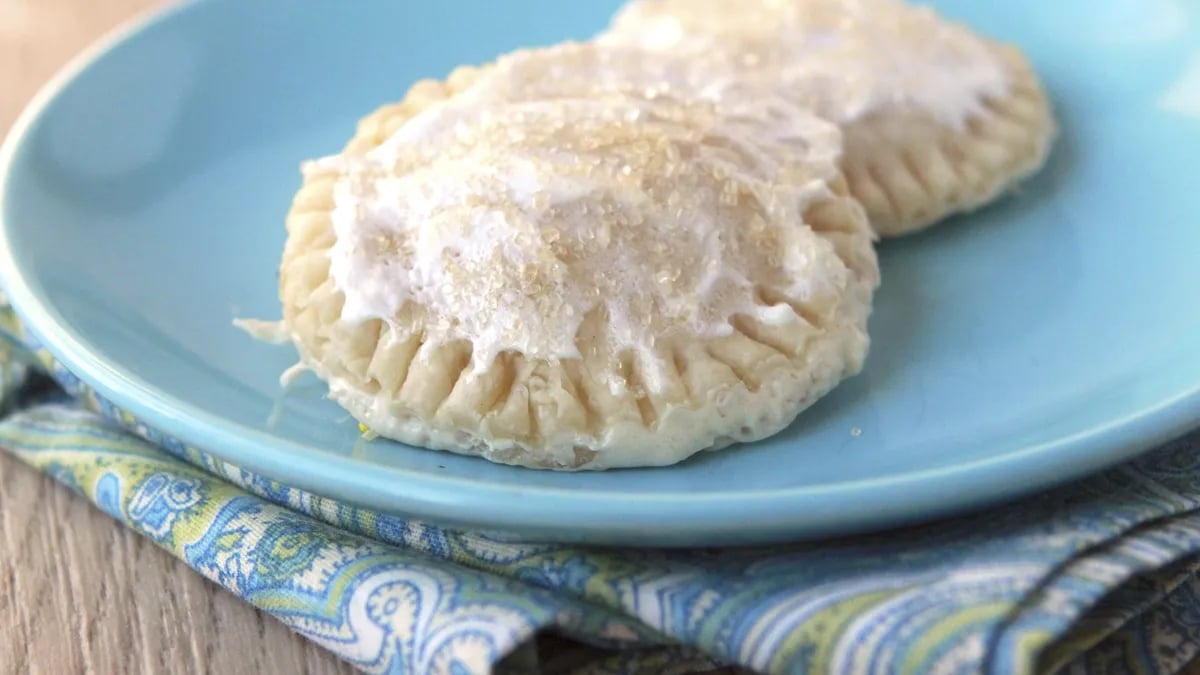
(79, 593)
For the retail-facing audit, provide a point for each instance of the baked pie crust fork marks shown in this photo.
(580, 283)
(937, 120)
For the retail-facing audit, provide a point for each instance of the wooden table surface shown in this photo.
(79, 593)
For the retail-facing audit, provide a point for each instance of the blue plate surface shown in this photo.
(1051, 335)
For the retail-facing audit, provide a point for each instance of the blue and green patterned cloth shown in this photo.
(1099, 576)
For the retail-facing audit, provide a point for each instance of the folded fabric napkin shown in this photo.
(1098, 576)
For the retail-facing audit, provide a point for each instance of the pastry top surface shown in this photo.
(846, 59)
(606, 222)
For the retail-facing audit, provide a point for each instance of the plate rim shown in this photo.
(624, 518)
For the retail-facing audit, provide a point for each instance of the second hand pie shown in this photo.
(937, 120)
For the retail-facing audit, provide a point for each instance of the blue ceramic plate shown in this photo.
(1056, 333)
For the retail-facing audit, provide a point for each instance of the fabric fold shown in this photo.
(1052, 580)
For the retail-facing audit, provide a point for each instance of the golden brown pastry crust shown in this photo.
(558, 413)
(910, 171)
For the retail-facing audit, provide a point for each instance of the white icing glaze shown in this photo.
(586, 70)
(604, 222)
(844, 59)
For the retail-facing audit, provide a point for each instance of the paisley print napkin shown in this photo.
(1093, 577)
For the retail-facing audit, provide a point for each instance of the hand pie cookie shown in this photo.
(937, 120)
(578, 283)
